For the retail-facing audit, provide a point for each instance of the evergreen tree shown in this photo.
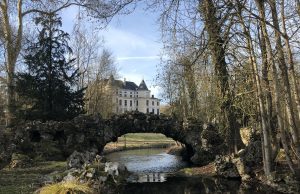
(48, 88)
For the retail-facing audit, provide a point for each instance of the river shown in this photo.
(153, 173)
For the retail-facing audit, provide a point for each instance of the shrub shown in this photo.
(69, 187)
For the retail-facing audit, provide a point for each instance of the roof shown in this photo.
(129, 85)
(143, 86)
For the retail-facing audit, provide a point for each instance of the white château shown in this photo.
(127, 96)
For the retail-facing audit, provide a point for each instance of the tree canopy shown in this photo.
(48, 88)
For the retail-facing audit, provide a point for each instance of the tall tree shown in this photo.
(286, 79)
(49, 84)
(217, 44)
(13, 16)
(99, 95)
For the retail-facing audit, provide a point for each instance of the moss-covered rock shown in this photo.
(20, 161)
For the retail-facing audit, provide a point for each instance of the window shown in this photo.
(152, 103)
(125, 102)
(120, 94)
(137, 103)
(130, 102)
(147, 102)
(120, 102)
(153, 110)
(157, 111)
(130, 96)
(157, 103)
(125, 95)
(147, 110)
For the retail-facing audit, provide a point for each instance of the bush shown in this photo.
(69, 187)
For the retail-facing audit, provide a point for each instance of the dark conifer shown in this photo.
(49, 85)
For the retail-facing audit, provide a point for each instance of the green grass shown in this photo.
(139, 141)
(27, 180)
(145, 137)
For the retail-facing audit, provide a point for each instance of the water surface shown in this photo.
(153, 173)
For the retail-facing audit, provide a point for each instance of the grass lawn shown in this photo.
(139, 140)
(156, 137)
(27, 180)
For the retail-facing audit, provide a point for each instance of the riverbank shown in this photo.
(203, 171)
(29, 179)
(282, 182)
(134, 141)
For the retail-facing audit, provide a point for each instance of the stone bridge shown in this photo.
(55, 140)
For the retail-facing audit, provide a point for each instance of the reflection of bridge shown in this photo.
(151, 177)
(90, 133)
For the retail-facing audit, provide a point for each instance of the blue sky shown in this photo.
(134, 40)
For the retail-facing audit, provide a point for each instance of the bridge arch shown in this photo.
(92, 133)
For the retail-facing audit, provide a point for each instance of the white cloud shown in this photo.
(156, 91)
(126, 44)
(138, 58)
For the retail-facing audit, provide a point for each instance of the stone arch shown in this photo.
(92, 133)
(136, 122)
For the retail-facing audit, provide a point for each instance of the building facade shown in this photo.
(127, 96)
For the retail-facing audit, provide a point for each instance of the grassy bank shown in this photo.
(139, 141)
(27, 180)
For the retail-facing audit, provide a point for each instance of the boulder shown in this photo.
(78, 159)
(20, 161)
(226, 168)
(252, 154)
(202, 157)
(246, 135)
(114, 168)
(243, 170)
(69, 177)
(210, 145)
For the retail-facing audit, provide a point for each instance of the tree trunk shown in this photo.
(190, 84)
(266, 61)
(285, 79)
(263, 114)
(291, 62)
(216, 44)
(13, 47)
(279, 116)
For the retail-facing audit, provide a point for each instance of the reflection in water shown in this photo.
(147, 160)
(180, 185)
(147, 177)
(152, 171)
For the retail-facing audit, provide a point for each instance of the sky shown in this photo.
(134, 40)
